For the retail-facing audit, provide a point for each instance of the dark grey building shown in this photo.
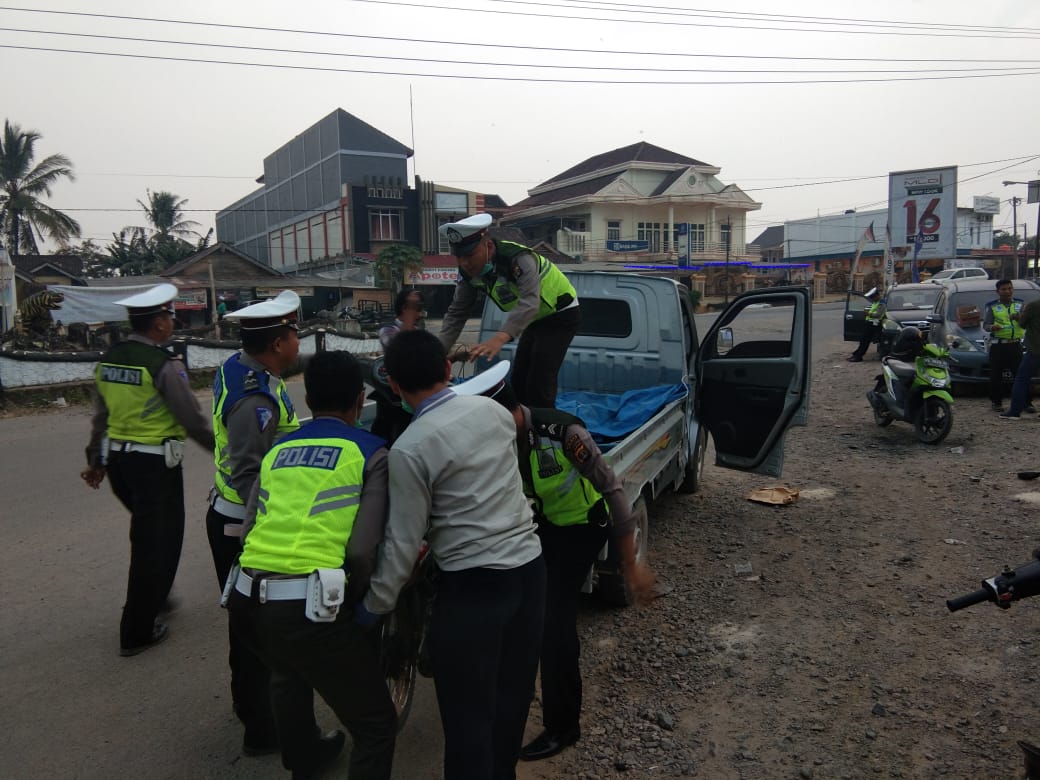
(339, 179)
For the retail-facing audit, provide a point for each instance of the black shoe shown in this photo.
(855, 359)
(546, 745)
(159, 633)
(260, 742)
(325, 752)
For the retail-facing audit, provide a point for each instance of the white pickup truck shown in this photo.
(744, 384)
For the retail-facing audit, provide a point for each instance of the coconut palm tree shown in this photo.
(165, 214)
(24, 217)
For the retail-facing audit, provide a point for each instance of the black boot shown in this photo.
(1032, 755)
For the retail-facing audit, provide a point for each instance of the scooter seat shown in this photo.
(901, 368)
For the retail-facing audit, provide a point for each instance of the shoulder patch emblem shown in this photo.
(251, 382)
(263, 417)
(577, 448)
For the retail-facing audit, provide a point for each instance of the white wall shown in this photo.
(27, 372)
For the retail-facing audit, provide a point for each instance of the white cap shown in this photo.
(280, 310)
(464, 234)
(872, 291)
(152, 301)
(491, 379)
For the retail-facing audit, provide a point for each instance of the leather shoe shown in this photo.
(855, 359)
(260, 742)
(325, 752)
(546, 745)
(159, 633)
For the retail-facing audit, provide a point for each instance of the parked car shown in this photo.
(956, 322)
(906, 304)
(957, 274)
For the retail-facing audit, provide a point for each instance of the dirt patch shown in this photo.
(836, 656)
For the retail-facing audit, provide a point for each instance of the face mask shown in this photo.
(407, 407)
(488, 268)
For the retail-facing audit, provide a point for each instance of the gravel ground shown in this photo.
(836, 656)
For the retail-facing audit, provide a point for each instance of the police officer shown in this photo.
(1000, 322)
(251, 409)
(542, 305)
(144, 407)
(454, 481)
(578, 504)
(872, 327)
(320, 508)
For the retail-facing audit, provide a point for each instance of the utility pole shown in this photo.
(1014, 229)
(729, 238)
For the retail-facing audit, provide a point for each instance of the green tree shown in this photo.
(97, 263)
(131, 254)
(165, 214)
(24, 217)
(394, 262)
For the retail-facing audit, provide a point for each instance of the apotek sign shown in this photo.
(924, 204)
(432, 276)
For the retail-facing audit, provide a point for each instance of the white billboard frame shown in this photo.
(924, 201)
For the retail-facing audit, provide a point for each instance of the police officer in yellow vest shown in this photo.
(320, 508)
(875, 315)
(144, 408)
(1000, 322)
(251, 410)
(542, 305)
(579, 503)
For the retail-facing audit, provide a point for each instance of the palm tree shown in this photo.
(24, 217)
(165, 214)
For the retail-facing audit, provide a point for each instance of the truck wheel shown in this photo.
(694, 474)
(612, 587)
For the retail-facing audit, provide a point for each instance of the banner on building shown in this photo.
(432, 276)
(924, 203)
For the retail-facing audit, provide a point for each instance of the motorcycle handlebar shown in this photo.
(982, 594)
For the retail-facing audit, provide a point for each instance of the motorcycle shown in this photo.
(917, 392)
(403, 651)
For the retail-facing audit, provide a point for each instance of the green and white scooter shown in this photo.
(914, 387)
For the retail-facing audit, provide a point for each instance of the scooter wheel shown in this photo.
(933, 420)
(882, 417)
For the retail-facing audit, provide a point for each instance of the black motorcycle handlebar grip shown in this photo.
(966, 601)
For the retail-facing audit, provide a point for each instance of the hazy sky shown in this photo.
(175, 119)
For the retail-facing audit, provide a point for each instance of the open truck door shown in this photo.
(856, 305)
(752, 376)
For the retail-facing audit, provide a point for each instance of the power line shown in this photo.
(512, 79)
(927, 30)
(442, 61)
(477, 44)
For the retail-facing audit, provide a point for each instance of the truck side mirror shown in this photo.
(935, 319)
(724, 341)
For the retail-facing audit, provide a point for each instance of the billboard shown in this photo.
(983, 204)
(922, 212)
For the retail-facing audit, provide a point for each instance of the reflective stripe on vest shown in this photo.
(874, 313)
(126, 383)
(553, 287)
(1002, 317)
(310, 490)
(232, 382)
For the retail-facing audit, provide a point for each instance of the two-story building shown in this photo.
(639, 203)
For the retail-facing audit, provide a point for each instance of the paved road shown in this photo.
(71, 706)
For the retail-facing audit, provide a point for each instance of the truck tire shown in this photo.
(611, 586)
(694, 474)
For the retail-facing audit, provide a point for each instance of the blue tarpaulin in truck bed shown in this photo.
(610, 417)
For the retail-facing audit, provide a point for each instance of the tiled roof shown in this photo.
(566, 193)
(669, 180)
(771, 236)
(640, 152)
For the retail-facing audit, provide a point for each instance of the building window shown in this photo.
(614, 230)
(384, 225)
(651, 233)
(696, 238)
(335, 232)
(726, 234)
